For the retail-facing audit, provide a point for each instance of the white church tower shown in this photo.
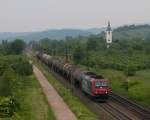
(108, 35)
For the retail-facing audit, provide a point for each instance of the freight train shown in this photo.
(91, 84)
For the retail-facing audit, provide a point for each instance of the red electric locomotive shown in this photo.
(95, 85)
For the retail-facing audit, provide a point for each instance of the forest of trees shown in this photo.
(14, 69)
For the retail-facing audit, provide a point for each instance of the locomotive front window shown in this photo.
(100, 84)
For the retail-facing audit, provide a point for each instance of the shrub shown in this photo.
(22, 67)
(8, 106)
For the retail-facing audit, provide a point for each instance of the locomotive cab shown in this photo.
(101, 88)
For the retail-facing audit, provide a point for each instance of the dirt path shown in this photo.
(61, 110)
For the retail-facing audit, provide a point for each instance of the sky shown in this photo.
(38, 15)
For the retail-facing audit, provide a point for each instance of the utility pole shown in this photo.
(87, 57)
(127, 72)
(127, 79)
(67, 47)
(66, 51)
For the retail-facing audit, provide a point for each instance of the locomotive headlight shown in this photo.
(106, 92)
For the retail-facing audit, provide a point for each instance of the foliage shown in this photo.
(18, 91)
(92, 44)
(131, 32)
(130, 71)
(5, 82)
(22, 66)
(12, 79)
(15, 47)
(7, 106)
(79, 54)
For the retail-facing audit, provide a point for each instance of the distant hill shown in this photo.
(132, 31)
(96, 30)
(52, 34)
(120, 33)
(56, 34)
(6, 35)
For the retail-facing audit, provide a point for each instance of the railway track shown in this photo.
(115, 112)
(135, 112)
(140, 111)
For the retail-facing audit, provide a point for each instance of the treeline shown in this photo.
(14, 47)
(126, 55)
(14, 69)
(131, 32)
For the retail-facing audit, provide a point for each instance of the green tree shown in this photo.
(7, 82)
(130, 70)
(17, 46)
(22, 67)
(79, 54)
(92, 44)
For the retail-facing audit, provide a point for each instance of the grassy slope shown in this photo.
(33, 103)
(139, 85)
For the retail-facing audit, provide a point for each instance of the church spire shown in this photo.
(108, 27)
(108, 35)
